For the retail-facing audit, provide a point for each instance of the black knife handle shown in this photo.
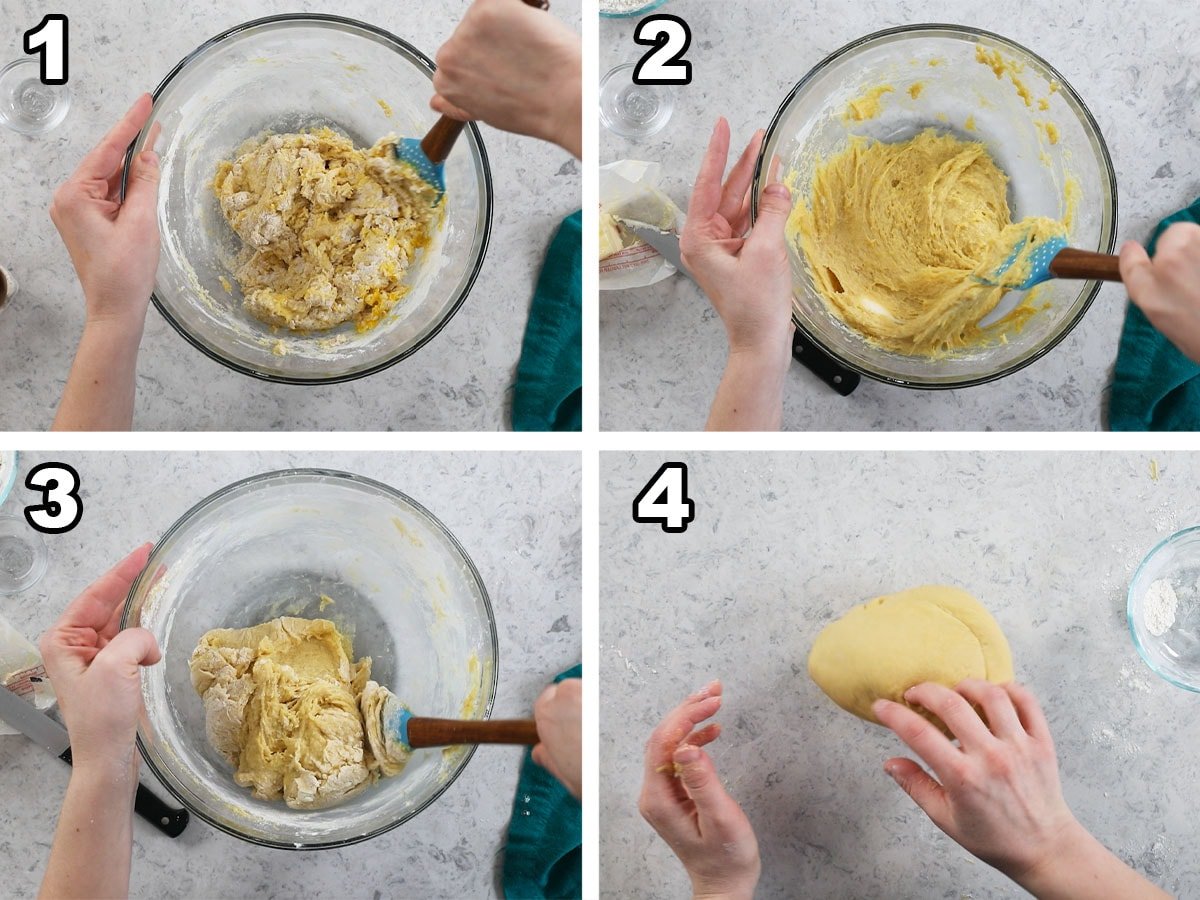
(824, 366)
(170, 822)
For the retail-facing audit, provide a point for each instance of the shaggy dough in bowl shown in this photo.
(329, 231)
(288, 709)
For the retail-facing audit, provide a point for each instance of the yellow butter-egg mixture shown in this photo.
(901, 239)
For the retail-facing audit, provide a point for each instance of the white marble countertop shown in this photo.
(662, 348)
(783, 543)
(460, 381)
(518, 518)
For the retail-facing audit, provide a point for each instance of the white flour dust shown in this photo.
(1160, 606)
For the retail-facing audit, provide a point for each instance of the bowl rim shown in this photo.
(1129, 601)
(488, 195)
(758, 185)
(283, 475)
(10, 480)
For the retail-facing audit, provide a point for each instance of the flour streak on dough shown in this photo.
(887, 645)
(329, 231)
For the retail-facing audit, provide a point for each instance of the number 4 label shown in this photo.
(664, 500)
(49, 40)
(670, 37)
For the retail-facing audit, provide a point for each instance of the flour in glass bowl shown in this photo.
(1161, 604)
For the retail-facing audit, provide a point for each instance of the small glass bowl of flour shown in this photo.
(623, 9)
(1164, 609)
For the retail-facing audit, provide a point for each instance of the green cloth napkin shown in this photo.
(548, 394)
(1155, 387)
(544, 855)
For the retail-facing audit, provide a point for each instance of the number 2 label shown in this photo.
(670, 37)
(49, 40)
(664, 500)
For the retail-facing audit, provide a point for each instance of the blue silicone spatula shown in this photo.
(429, 154)
(413, 732)
(1052, 258)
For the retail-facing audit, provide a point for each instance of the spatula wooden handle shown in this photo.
(438, 143)
(1083, 264)
(444, 732)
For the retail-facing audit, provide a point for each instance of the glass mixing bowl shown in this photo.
(404, 590)
(958, 95)
(1174, 652)
(286, 74)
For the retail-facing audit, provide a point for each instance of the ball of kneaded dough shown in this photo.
(885, 646)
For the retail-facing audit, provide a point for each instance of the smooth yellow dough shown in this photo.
(897, 238)
(885, 646)
(291, 713)
(328, 231)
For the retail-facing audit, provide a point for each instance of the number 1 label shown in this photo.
(48, 39)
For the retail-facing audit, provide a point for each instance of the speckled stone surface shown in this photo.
(459, 382)
(781, 544)
(662, 348)
(518, 518)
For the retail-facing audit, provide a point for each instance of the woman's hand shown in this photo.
(94, 668)
(559, 716)
(747, 279)
(517, 68)
(997, 793)
(113, 245)
(683, 799)
(1167, 288)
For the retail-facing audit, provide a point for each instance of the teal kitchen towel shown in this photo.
(1155, 387)
(548, 394)
(544, 855)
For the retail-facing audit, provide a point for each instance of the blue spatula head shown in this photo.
(395, 721)
(1041, 255)
(408, 150)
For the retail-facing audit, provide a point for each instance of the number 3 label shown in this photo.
(670, 37)
(61, 507)
(664, 500)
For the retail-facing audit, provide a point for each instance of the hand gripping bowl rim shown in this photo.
(486, 230)
(336, 475)
(1034, 355)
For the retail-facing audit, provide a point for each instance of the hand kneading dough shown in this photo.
(286, 707)
(885, 646)
(897, 238)
(329, 231)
